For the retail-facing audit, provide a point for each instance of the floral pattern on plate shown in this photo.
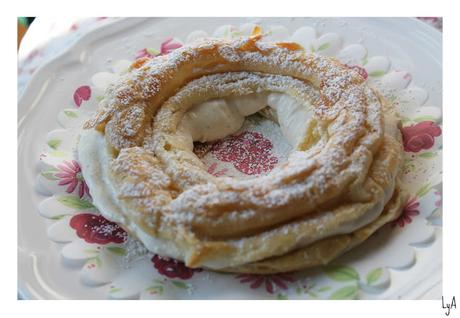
(110, 257)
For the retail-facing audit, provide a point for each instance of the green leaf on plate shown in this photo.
(374, 275)
(378, 73)
(347, 292)
(312, 48)
(428, 155)
(49, 174)
(409, 166)
(57, 153)
(341, 273)
(364, 60)
(156, 289)
(405, 121)
(324, 46)
(96, 260)
(117, 250)
(298, 290)
(425, 118)
(114, 290)
(58, 217)
(179, 284)
(281, 297)
(152, 51)
(313, 294)
(236, 33)
(91, 251)
(424, 189)
(70, 114)
(99, 98)
(75, 203)
(323, 289)
(54, 143)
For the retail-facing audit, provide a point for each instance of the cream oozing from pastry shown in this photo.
(226, 222)
(95, 156)
(218, 118)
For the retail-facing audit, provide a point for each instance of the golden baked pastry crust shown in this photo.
(324, 251)
(329, 195)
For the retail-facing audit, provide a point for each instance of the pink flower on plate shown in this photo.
(172, 268)
(361, 71)
(407, 77)
(410, 210)
(433, 21)
(147, 52)
(166, 47)
(82, 93)
(438, 202)
(270, 282)
(249, 152)
(70, 175)
(97, 229)
(420, 136)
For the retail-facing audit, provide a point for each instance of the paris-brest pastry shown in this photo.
(338, 186)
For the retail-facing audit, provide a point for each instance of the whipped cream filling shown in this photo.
(94, 155)
(218, 118)
(204, 122)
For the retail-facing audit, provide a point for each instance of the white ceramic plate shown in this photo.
(410, 46)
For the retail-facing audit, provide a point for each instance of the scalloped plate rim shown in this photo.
(27, 256)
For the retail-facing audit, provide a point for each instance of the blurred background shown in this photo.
(42, 39)
(23, 25)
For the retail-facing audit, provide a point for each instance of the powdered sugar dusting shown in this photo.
(203, 203)
(222, 160)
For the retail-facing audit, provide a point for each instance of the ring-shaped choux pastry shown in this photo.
(338, 186)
